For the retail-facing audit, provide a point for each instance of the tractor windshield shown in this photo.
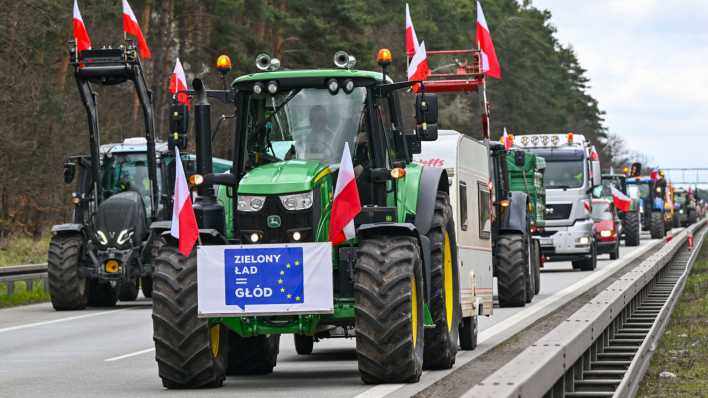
(127, 172)
(303, 124)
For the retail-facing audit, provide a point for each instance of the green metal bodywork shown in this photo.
(528, 178)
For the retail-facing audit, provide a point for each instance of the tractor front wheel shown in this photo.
(657, 225)
(67, 287)
(631, 228)
(512, 270)
(388, 299)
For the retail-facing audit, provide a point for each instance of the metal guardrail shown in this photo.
(29, 274)
(553, 365)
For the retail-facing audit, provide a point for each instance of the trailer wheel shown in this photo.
(388, 299)
(304, 344)
(512, 270)
(468, 333)
(441, 341)
(189, 352)
(631, 228)
(128, 290)
(255, 355)
(101, 294)
(657, 225)
(67, 287)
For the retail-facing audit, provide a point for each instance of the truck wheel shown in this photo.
(67, 287)
(441, 342)
(531, 276)
(128, 290)
(189, 351)
(512, 270)
(631, 228)
(657, 225)
(146, 286)
(388, 302)
(468, 333)
(536, 256)
(255, 355)
(587, 264)
(101, 294)
(691, 217)
(304, 344)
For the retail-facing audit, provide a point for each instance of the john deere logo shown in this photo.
(273, 221)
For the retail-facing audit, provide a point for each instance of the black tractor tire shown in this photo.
(128, 290)
(615, 254)
(530, 280)
(304, 344)
(388, 302)
(691, 217)
(468, 333)
(631, 228)
(512, 270)
(536, 256)
(67, 287)
(189, 352)
(255, 355)
(441, 342)
(657, 225)
(146, 285)
(101, 294)
(587, 264)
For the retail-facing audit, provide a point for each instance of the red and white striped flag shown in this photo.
(621, 201)
(411, 38)
(131, 27)
(178, 84)
(184, 222)
(346, 204)
(490, 63)
(418, 68)
(507, 140)
(83, 42)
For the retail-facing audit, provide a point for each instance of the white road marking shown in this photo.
(132, 354)
(71, 318)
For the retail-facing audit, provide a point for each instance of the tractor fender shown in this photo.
(208, 236)
(514, 218)
(432, 180)
(408, 229)
(68, 228)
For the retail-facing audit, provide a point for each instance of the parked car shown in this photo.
(608, 227)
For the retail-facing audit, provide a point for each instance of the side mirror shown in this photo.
(179, 126)
(227, 179)
(596, 173)
(426, 116)
(69, 172)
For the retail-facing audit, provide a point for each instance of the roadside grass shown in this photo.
(22, 249)
(683, 349)
(22, 295)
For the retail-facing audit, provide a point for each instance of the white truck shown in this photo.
(467, 163)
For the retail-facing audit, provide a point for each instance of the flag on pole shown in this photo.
(411, 38)
(83, 42)
(418, 68)
(490, 63)
(621, 201)
(184, 222)
(178, 84)
(346, 204)
(507, 140)
(131, 27)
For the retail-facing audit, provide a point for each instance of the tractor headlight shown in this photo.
(298, 201)
(250, 203)
(124, 236)
(102, 239)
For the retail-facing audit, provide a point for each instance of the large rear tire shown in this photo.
(631, 229)
(255, 355)
(657, 225)
(441, 341)
(388, 298)
(512, 270)
(189, 352)
(128, 290)
(67, 287)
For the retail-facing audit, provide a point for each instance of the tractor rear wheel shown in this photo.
(388, 302)
(128, 290)
(67, 287)
(512, 270)
(304, 344)
(631, 228)
(468, 333)
(441, 342)
(657, 225)
(255, 355)
(101, 294)
(189, 351)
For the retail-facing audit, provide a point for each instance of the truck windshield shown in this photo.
(303, 124)
(565, 168)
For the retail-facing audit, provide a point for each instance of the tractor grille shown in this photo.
(290, 221)
(558, 211)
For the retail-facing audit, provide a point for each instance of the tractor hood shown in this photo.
(281, 177)
(121, 212)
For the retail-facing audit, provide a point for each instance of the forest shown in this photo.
(544, 87)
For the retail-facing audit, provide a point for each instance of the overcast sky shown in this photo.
(647, 61)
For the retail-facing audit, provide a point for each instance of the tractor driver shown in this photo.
(318, 144)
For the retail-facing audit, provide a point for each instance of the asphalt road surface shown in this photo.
(110, 352)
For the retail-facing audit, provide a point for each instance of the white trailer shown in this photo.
(467, 163)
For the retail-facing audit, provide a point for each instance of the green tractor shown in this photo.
(631, 220)
(265, 265)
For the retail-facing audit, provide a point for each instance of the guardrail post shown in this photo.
(10, 288)
(45, 283)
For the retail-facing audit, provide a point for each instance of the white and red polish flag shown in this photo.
(131, 27)
(178, 84)
(418, 68)
(346, 204)
(411, 38)
(620, 200)
(83, 42)
(184, 222)
(490, 63)
(506, 140)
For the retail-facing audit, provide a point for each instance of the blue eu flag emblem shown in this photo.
(263, 276)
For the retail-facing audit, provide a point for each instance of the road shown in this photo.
(110, 352)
